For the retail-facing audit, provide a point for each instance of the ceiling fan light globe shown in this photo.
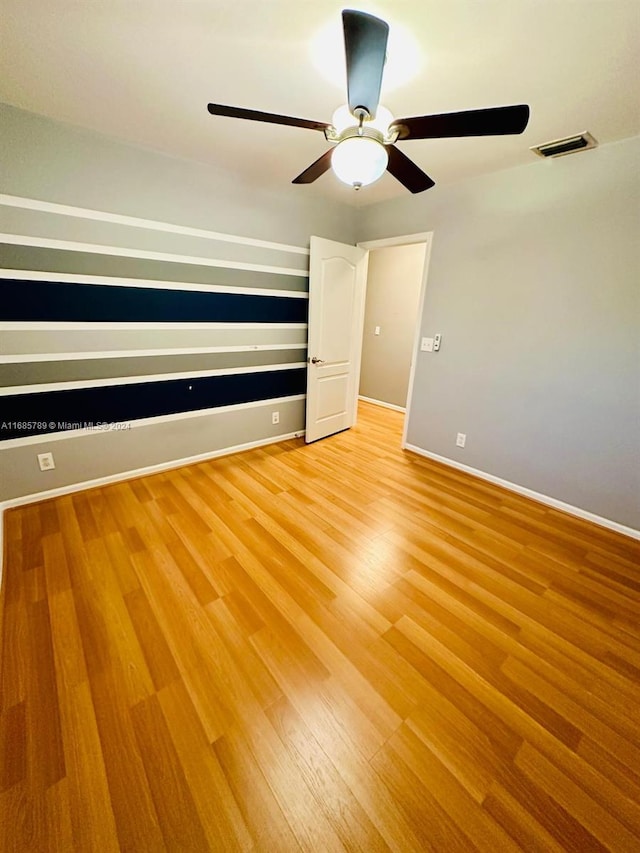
(359, 161)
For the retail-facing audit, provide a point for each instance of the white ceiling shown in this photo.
(143, 71)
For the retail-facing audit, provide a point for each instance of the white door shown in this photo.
(337, 284)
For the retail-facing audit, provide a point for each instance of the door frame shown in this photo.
(407, 240)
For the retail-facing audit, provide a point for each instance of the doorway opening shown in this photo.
(396, 283)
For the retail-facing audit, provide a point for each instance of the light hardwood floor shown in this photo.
(334, 647)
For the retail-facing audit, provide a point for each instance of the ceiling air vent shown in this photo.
(568, 145)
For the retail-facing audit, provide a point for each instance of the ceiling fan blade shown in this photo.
(365, 44)
(493, 121)
(270, 118)
(311, 173)
(406, 171)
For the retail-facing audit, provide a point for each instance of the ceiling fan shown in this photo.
(364, 133)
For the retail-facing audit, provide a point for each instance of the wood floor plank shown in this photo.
(259, 806)
(558, 625)
(119, 548)
(31, 820)
(45, 753)
(177, 814)
(347, 740)
(91, 811)
(13, 746)
(55, 565)
(115, 641)
(13, 672)
(217, 808)
(573, 798)
(157, 654)
(186, 630)
(59, 832)
(600, 758)
(433, 827)
(496, 728)
(230, 627)
(195, 569)
(135, 816)
(562, 680)
(70, 663)
(482, 832)
(534, 824)
(324, 695)
(339, 646)
(589, 725)
(528, 715)
(32, 556)
(337, 802)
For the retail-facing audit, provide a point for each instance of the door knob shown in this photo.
(316, 360)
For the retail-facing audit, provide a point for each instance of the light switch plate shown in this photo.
(426, 345)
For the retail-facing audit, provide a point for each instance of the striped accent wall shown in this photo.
(109, 320)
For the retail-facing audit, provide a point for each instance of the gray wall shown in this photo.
(393, 292)
(534, 283)
(55, 163)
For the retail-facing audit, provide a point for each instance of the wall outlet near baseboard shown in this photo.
(275, 417)
(461, 439)
(45, 461)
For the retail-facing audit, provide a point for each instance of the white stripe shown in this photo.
(178, 416)
(137, 222)
(82, 326)
(124, 252)
(528, 493)
(139, 353)
(74, 278)
(75, 384)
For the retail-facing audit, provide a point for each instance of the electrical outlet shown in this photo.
(461, 439)
(45, 461)
(275, 417)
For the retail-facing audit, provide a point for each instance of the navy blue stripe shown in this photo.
(37, 414)
(52, 301)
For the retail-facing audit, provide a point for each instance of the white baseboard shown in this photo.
(528, 493)
(130, 475)
(382, 403)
